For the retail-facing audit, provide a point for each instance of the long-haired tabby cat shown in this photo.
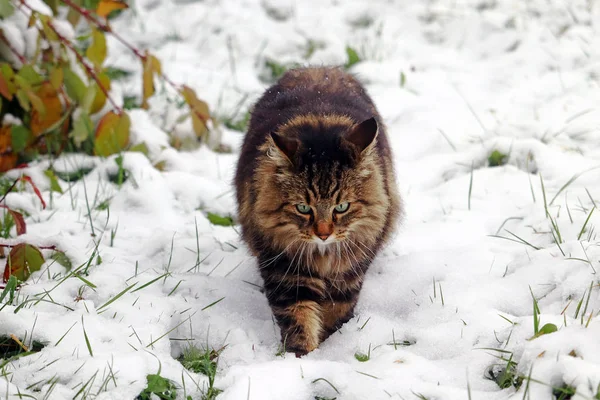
(317, 198)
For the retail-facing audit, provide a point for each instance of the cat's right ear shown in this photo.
(287, 146)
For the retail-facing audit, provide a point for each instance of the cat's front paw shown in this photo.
(299, 351)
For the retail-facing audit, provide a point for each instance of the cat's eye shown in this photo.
(303, 208)
(342, 207)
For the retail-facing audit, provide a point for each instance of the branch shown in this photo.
(105, 27)
(89, 70)
(52, 247)
(12, 48)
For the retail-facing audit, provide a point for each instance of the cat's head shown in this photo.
(324, 187)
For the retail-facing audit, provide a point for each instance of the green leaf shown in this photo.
(22, 260)
(89, 97)
(140, 148)
(76, 89)
(91, 4)
(19, 136)
(362, 357)
(6, 9)
(62, 259)
(161, 387)
(353, 57)
(496, 159)
(116, 74)
(546, 329)
(9, 289)
(29, 74)
(216, 219)
(83, 128)
(54, 185)
(96, 53)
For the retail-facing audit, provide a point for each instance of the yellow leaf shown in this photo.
(23, 99)
(151, 66)
(49, 32)
(105, 7)
(198, 110)
(96, 53)
(56, 78)
(112, 134)
(36, 102)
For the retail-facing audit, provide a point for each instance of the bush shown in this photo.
(57, 96)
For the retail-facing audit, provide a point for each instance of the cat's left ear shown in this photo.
(363, 134)
(287, 146)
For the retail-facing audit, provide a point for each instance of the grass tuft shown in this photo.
(203, 361)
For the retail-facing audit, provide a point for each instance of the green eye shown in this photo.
(342, 207)
(303, 208)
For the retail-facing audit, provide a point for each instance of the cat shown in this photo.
(317, 198)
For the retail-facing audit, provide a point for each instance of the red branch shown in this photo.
(53, 247)
(12, 48)
(105, 27)
(89, 70)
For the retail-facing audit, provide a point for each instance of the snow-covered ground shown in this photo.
(455, 80)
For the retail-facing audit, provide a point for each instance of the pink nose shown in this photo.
(323, 230)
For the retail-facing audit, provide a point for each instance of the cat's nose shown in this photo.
(323, 230)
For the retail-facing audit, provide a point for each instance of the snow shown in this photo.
(507, 75)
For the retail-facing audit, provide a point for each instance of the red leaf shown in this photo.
(22, 260)
(6, 274)
(35, 189)
(19, 220)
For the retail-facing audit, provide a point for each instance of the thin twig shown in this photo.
(89, 70)
(12, 48)
(52, 247)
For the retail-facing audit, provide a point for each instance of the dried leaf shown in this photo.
(4, 89)
(112, 134)
(22, 260)
(96, 53)
(105, 7)
(53, 109)
(19, 220)
(8, 159)
(198, 110)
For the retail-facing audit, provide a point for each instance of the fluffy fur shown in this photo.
(315, 141)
